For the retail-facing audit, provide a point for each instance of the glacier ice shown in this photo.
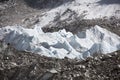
(62, 43)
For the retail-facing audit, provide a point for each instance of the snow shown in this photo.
(61, 44)
(89, 9)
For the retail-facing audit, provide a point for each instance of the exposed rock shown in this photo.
(29, 66)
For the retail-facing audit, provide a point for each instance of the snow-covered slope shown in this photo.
(87, 9)
(61, 44)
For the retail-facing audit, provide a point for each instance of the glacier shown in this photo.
(82, 9)
(61, 44)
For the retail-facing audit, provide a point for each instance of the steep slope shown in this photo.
(62, 44)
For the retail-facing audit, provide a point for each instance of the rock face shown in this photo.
(17, 65)
(62, 44)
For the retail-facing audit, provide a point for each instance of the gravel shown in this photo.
(17, 65)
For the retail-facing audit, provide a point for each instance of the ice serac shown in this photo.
(62, 44)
